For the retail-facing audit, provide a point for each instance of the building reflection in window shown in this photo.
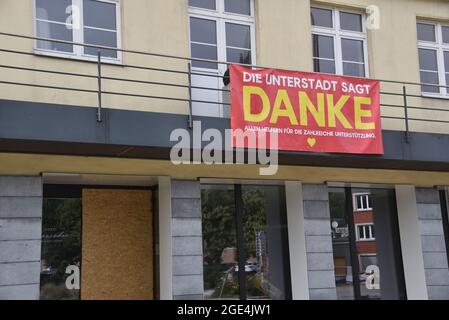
(263, 240)
(61, 249)
(365, 244)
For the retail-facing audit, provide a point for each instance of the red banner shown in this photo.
(308, 111)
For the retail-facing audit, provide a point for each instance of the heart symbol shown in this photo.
(311, 142)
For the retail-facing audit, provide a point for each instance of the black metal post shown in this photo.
(100, 102)
(240, 240)
(445, 220)
(352, 243)
(404, 94)
(190, 95)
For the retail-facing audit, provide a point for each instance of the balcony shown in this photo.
(128, 108)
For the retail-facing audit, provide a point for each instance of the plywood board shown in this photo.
(117, 245)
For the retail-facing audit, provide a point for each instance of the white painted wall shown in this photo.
(410, 236)
(297, 240)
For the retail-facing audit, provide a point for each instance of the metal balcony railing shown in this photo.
(402, 89)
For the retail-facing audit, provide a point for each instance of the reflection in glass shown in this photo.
(351, 21)
(54, 31)
(100, 38)
(264, 242)
(321, 17)
(366, 245)
(238, 6)
(341, 245)
(445, 31)
(323, 46)
(99, 14)
(265, 232)
(426, 32)
(219, 242)
(205, 4)
(61, 248)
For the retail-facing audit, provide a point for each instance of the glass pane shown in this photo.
(100, 14)
(361, 234)
(431, 78)
(322, 17)
(238, 56)
(428, 60)
(445, 31)
(366, 267)
(238, 35)
(266, 249)
(220, 259)
(323, 46)
(324, 66)
(54, 10)
(359, 202)
(238, 6)
(351, 21)
(202, 30)
(205, 4)
(426, 32)
(54, 31)
(353, 69)
(100, 38)
(352, 50)
(341, 244)
(446, 61)
(61, 248)
(201, 51)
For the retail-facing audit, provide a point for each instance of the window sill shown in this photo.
(73, 57)
(435, 96)
(363, 210)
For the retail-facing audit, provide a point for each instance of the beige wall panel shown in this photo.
(283, 40)
(23, 164)
(117, 245)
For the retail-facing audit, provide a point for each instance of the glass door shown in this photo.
(366, 245)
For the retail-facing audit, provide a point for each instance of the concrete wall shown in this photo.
(283, 40)
(433, 243)
(20, 237)
(320, 263)
(187, 246)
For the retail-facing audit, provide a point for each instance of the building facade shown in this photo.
(95, 93)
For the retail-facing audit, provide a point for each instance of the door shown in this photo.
(117, 244)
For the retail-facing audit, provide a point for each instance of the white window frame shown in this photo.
(440, 48)
(365, 236)
(337, 34)
(78, 36)
(361, 194)
(221, 18)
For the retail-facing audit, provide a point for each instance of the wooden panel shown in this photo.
(117, 247)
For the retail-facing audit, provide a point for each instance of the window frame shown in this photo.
(338, 34)
(440, 48)
(356, 208)
(221, 18)
(78, 37)
(365, 238)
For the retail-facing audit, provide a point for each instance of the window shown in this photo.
(94, 22)
(365, 232)
(433, 48)
(362, 202)
(61, 244)
(366, 247)
(339, 42)
(221, 30)
(247, 221)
